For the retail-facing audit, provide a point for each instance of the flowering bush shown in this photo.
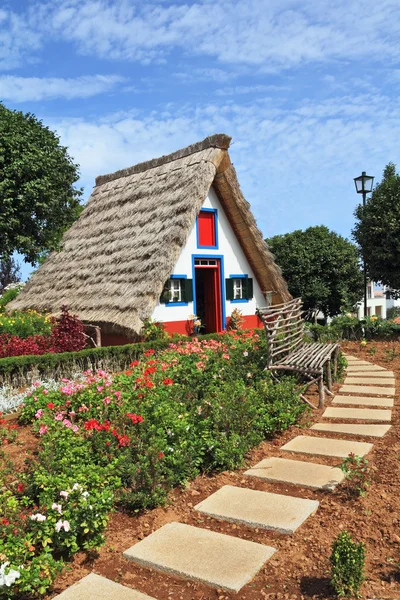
(25, 324)
(65, 334)
(196, 406)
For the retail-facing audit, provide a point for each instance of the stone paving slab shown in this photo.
(296, 472)
(369, 380)
(368, 389)
(218, 560)
(359, 363)
(364, 400)
(354, 368)
(258, 509)
(94, 587)
(370, 373)
(353, 429)
(363, 414)
(321, 446)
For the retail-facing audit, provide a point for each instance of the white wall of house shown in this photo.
(376, 303)
(234, 263)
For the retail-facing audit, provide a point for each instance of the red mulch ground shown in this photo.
(300, 568)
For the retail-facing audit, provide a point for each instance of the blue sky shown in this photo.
(309, 91)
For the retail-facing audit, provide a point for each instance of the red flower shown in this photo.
(149, 371)
(161, 455)
(50, 405)
(168, 381)
(134, 363)
(5, 521)
(135, 418)
(149, 352)
(124, 440)
(20, 488)
(149, 384)
(128, 372)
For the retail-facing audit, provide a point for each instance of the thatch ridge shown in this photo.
(116, 257)
(218, 140)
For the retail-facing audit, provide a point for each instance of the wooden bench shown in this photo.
(289, 351)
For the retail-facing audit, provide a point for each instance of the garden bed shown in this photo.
(300, 568)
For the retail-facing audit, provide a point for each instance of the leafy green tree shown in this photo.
(320, 266)
(377, 230)
(38, 200)
(9, 272)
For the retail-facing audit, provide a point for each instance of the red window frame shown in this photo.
(206, 229)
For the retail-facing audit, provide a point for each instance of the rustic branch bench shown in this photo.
(289, 351)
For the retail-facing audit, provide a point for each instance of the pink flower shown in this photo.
(36, 384)
(226, 356)
(65, 380)
(39, 413)
(67, 423)
(59, 417)
(75, 428)
(118, 395)
(100, 388)
(106, 400)
(45, 392)
(43, 429)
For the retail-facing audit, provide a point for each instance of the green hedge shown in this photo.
(350, 328)
(22, 370)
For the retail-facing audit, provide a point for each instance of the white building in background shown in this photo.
(391, 302)
(376, 303)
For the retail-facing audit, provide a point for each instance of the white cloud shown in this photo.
(251, 89)
(17, 40)
(268, 34)
(24, 89)
(295, 166)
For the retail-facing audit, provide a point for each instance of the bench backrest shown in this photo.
(284, 328)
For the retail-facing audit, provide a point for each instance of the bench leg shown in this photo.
(329, 375)
(321, 389)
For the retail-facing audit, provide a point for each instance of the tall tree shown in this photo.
(38, 200)
(377, 230)
(9, 272)
(320, 266)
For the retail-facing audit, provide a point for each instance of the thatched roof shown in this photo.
(118, 255)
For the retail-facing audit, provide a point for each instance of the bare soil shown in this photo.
(300, 569)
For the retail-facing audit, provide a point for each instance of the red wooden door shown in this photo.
(211, 277)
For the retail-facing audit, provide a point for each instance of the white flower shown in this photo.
(76, 486)
(62, 525)
(85, 494)
(245, 353)
(57, 507)
(64, 494)
(9, 578)
(38, 517)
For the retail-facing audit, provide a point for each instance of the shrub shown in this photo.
(66, 335)
(347, 566)
(9, 294)
(25, 324)
(350, 328)
(357, 472)
(153, 330)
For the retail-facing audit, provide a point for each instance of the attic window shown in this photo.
(207, 235)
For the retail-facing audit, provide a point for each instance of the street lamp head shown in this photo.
(364, 183)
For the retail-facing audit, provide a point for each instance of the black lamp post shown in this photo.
(364, 185)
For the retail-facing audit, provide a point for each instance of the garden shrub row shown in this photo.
(125, 440)
(19, 371)
(350, 328)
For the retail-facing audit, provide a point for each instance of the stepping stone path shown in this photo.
(228, 563)
(295, 472)
(93, 586)
(368, 389)
(353, 429)
(363, 400)
(258, 509)
(221, 561)
(364, 414)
